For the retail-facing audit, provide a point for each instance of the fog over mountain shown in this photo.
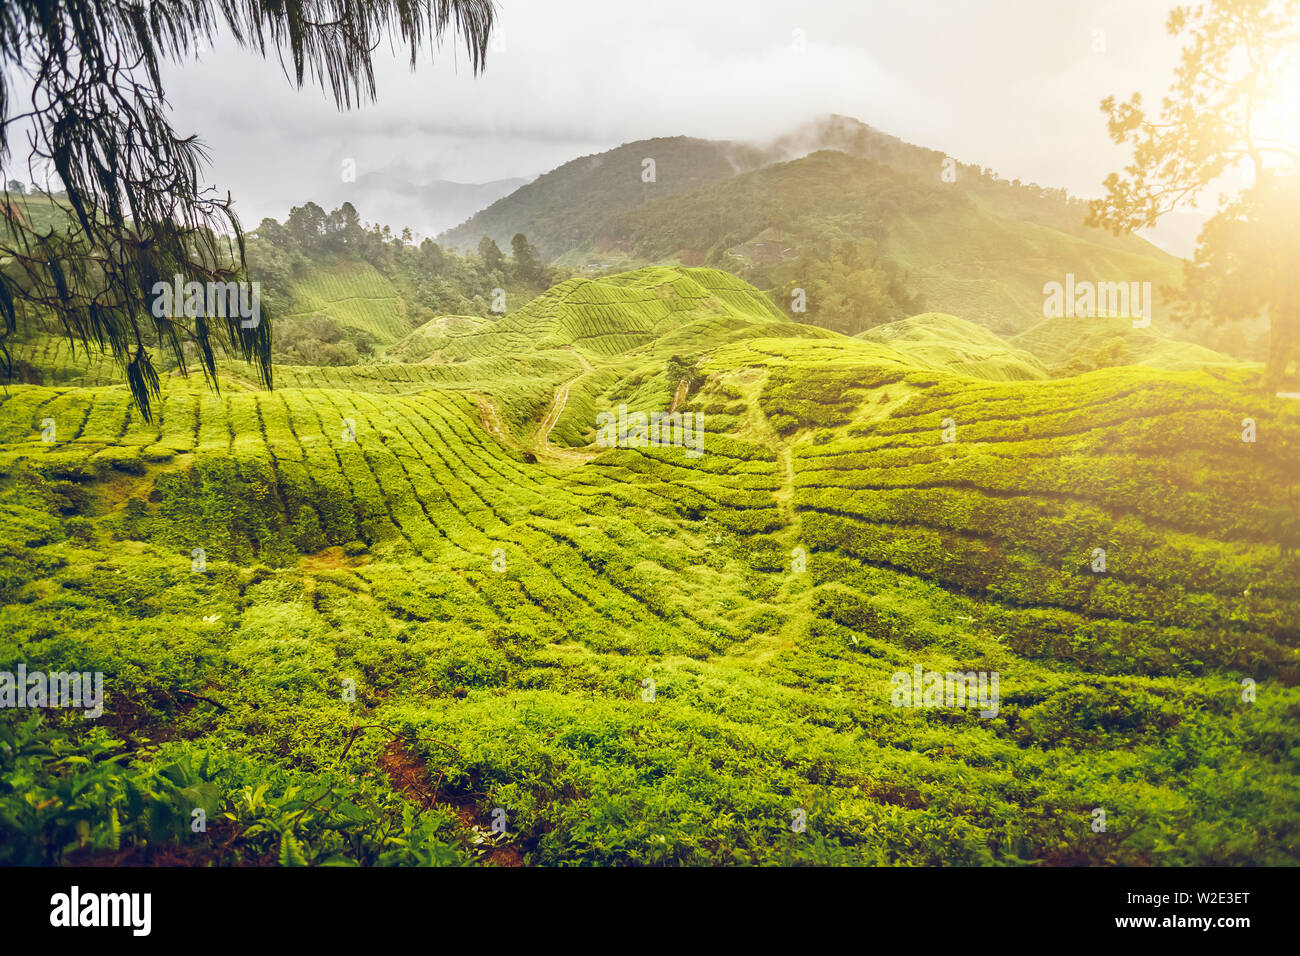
(403, 198)
(552, 91)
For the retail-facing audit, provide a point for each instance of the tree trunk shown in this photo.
(1284, 325)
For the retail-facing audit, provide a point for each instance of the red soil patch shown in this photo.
(332, 559)
(409, 775)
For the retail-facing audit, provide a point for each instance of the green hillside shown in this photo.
(560, 209)
(936, 340)
(957, 250)
(39, 211)
(427, 594)
(568, 206)
(1071, 346)
(353, 293)
(799, 200)
(430, 338)
(50, 360)
(968, 259)
(598, 318)
(968, 242)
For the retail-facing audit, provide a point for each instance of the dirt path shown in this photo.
(491, 419)
(796, 599)
(586, 366)
(795, 595)
(540, 442)
(679, 396)
(409, 776)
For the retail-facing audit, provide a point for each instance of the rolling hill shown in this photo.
(936, 340)
(957, 251)
(557, 210)
(602, 317)
(1071, 346)
(353, 293)
(364, 612)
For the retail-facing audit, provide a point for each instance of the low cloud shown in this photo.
(1011, 84)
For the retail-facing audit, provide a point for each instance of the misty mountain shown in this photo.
(967, 252)
(561, 209)
(427, 207)
(567, 208)
(765, 210)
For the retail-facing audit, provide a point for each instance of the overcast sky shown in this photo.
(1011, 84)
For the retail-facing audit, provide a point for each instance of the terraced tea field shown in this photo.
(367, 615)
(356, 295)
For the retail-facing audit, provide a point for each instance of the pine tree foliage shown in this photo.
(81, 83)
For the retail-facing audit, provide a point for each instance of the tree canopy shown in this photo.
(1230, 117)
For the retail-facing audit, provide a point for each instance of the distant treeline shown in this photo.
(431, 280)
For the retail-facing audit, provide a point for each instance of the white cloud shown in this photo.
(1012, 84)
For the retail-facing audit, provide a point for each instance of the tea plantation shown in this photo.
(412, 613)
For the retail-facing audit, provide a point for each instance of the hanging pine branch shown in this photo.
(81, 79)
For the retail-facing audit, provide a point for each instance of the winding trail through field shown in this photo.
(795, 596)
(540, 442)
(679, 396)
(492, 420)
(542, 438)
